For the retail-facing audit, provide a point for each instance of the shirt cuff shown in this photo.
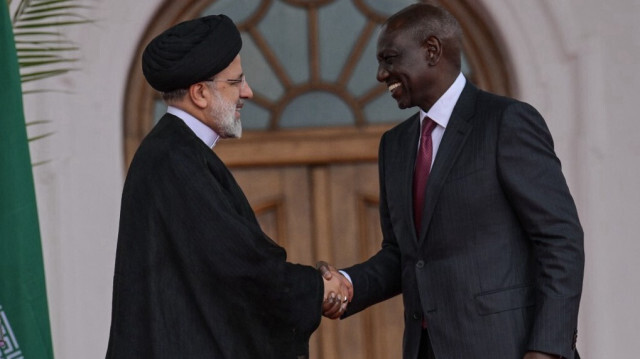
(346, 275)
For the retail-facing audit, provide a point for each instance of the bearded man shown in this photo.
(191, 258)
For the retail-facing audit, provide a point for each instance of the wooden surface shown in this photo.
(329, 212)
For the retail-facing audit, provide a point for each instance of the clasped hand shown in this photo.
(338, 291)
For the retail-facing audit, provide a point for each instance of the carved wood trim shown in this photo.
(305, 146)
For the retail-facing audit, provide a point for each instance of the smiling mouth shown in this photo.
(394, 86)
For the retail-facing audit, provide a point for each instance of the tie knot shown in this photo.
(427, 126)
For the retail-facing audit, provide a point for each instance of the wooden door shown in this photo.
(329, 212)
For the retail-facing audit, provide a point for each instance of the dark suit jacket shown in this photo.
(497, 267)
(195, 276)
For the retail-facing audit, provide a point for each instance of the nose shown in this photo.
(246, 91)
(382, 74)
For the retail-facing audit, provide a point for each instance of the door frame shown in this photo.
(303, 146)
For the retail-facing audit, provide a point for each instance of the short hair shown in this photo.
(173, 96)
(425, 20)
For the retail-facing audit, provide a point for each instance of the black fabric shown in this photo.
(195, 276)
(190, 52)
(426, 352)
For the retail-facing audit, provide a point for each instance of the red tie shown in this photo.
(422, 169)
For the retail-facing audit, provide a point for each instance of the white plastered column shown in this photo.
(561, 56)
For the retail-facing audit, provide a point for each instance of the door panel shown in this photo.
(280, 198)
(329, 212)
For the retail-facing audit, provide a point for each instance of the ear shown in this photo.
(199, 94)
(433, 48)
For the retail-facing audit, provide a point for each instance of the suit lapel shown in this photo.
(410, 152)
(455, 135)
(399, 154)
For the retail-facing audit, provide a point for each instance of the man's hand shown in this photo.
(539, 355)
(336, 298)
(334, 303)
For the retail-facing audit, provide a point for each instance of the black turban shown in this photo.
(190, 52)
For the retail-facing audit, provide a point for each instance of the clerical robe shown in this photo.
(195, 276)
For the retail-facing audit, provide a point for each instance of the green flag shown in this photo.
(24, 316)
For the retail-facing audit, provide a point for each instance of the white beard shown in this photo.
(225, 113)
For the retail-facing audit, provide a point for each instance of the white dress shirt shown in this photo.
(206, 134)
(441, 111)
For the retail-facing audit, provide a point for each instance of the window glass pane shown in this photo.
(285, 30)
(340, 24)
(465, 68)
(364, 75)
(159, 109)
(387, 7)
(315, 109)
(254, 117)
(259, 74)
(237, 10)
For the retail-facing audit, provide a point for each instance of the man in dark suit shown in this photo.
(481, 235)
(195, 276)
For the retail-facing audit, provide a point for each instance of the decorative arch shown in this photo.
(351, 110)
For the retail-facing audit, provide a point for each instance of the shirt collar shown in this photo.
(441, 111)
(204, 133)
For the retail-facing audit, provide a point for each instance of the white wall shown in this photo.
(576, 61)
(79, 191)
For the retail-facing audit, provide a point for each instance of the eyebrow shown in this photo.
(385, 53)
(230, 78)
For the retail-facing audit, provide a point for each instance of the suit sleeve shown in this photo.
(378, 278)
(531, 176)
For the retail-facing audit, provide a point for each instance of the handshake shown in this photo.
(338, 291)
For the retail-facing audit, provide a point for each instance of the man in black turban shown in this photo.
(195, 276)
(190, 52)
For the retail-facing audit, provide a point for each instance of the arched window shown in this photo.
(311, 65)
